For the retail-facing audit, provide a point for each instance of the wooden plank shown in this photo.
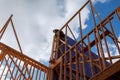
(118, 12)
(107, 72)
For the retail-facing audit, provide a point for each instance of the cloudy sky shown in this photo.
(35, 20)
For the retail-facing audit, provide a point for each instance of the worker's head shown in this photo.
(61, 34)
(55, 30)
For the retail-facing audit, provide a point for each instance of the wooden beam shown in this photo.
(107, 72)
(93, 42)
(23, 57)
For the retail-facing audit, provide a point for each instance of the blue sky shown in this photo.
(103, 10)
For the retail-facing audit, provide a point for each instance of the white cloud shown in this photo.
(101, 1)
(35, 20)
(113, 50)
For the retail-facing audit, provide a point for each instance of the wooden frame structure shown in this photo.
(79, 62)
(71, 59)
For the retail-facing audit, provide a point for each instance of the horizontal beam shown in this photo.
(93, 42)
(8, 50)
